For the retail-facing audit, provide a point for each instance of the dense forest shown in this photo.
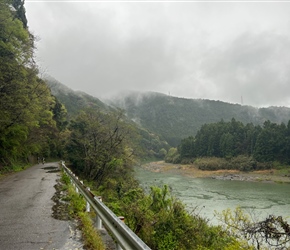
(258, 144)
(31, 118)
(102, 145)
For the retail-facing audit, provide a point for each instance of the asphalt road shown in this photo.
(26, 221)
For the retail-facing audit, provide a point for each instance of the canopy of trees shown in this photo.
(98, 145)
(271, 142)
(27, 119)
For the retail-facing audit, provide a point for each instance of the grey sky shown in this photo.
(208, 50)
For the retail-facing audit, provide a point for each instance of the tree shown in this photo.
(271, 143)
(97, 145)
(172, 156)
(287, 143)
(20, 11)
(274, 231)
(187, 148)
(25, 100)
(227, 145)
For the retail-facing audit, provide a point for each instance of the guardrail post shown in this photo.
(88, 207)
(77, 190)
(98, 219)
(122, 218)
(98, 222)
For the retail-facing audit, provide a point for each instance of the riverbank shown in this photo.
(271, 175)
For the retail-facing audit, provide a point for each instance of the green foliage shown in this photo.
(20, 11)
(211, 163)
(91, 236)
(186, 148)
(162, 153)
(77, 205)
(74, 101)
(163, 222)
(65, 179)
(172, 156)
(27, 125)
(59, 115)
(98, 147)
(244, 147)
(147, 145)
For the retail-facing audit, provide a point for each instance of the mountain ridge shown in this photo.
(176, 118)
(173, 118)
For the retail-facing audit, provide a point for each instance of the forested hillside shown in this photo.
(74, 101)
(30, 117)
(176, 118)
(146, 143)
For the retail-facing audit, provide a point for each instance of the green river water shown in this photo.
(206, 195)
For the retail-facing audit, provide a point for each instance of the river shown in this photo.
(206, 195)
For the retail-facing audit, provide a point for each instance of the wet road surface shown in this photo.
(26, 221)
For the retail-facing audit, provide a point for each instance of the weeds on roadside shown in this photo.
(91, 237)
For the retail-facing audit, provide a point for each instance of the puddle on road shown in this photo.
(52, 169)
(61, 212)
(60, 208)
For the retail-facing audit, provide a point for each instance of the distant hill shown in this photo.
(170, 117)
(176, 118)
(73, 100)
(148, 144)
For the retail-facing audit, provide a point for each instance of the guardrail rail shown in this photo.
(125, 237)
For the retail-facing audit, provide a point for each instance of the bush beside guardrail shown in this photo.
(125, 237)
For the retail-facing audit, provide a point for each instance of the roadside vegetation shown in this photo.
(162, 222)
(16, 167)
(76, 209)
(31, 118)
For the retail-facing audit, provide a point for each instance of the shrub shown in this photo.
(211, 163)
(243, 163)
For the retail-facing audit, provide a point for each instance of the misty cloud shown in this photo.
(218, 51)
(252, 67)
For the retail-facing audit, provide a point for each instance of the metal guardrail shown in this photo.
(125, 237)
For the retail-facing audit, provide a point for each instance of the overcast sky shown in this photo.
(228, 51)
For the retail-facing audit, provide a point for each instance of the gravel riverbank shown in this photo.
(271, 175)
